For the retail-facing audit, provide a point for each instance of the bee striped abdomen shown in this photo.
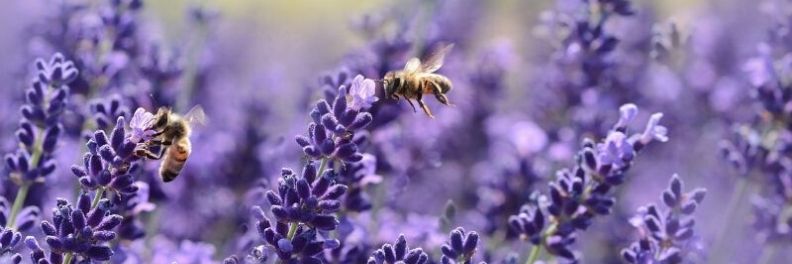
(175, 158)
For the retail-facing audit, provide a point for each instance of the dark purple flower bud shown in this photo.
(324, 222)
(329, 121)
(335, 192)
(104, 178)
(24, 137)
(330, 205)
(319, 133)
(303, 189)
(100, 253)
(104, 235)
(109, 222)
(117, 136)
(456, 240)
(302, 141)
(48, 228)
(309, 172)
(362, 120)
(346, 150)
(340, 104)
(273, 198)
(320, 186)
(95, 163)
(280, 213)
(107, 153)
(285, 245)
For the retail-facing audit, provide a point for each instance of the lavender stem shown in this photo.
(18, 202)
(534, 254)
(767, 254)
(99, 194)
(738, 195)
(67, 258)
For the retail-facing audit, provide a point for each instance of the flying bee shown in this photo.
(173, 139)
(418, 78)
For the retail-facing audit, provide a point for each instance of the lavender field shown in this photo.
(388, 131)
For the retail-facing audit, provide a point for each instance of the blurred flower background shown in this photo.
(580, 131)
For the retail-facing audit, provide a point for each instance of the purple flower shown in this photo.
(361, 93)
(654, 131)
(77, 232)
(666, 234)
(460, 247)
(398, 253)
(578, 194)
(140, 124)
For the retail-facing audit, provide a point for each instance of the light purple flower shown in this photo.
(654, 131)
(628, 112)
(361, 93)
(140, 125)
(615, 150)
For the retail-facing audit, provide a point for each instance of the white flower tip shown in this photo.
(629, 108)
(656, 117)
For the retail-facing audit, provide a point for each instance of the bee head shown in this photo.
(162, 118)
(389, 83)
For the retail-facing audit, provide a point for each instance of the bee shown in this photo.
(172, 138)
(418, 78)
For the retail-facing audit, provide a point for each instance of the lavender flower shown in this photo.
(105, 111)
(579, 194)
(332, 134)
(666, 235)
(80, 230)
(310, 199)
(461, 247)
(399, 252)
(110, 163)
(292, 243)
(40, 125)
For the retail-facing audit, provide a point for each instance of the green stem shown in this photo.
(534, 254)
(18, 202)
(98, 197)
(738, 195)
(767, 254)
(292, 231)
(322, 167)
(67, 258)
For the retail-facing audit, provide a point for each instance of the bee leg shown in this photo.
(411, 104)
(442, 98)
(424, 107)
(142, 152)
(439, 94)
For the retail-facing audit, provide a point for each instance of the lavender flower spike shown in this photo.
(398, 253)
(78, 230)
(666, 234)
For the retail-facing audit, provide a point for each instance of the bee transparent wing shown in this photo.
(413, 65)
(196, 116)
(434, 61)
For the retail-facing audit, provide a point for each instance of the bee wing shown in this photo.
(434, 61)
(196, 116)
(413, 65)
